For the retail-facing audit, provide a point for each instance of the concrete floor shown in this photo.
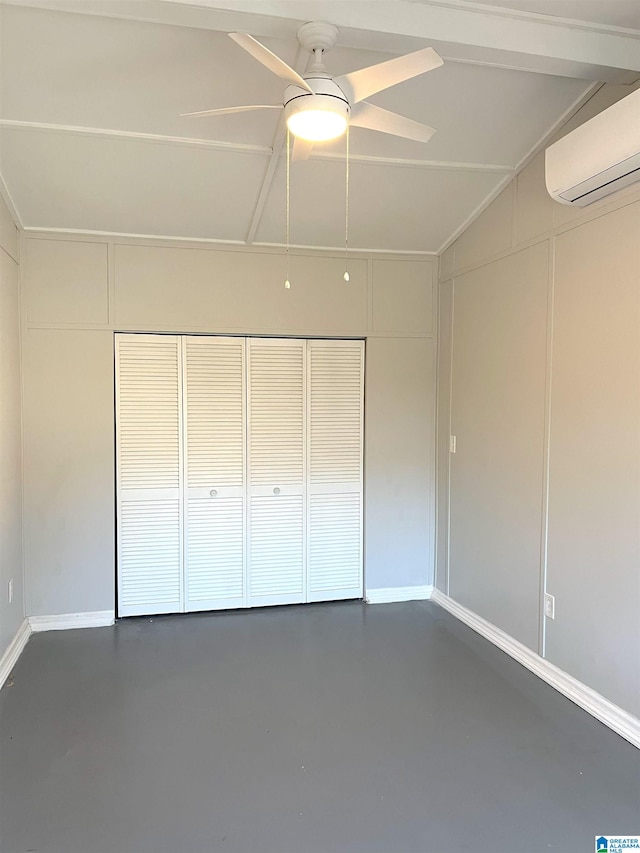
(328, 728)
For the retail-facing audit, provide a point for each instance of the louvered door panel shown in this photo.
(148, 423)
(215, 553)
(335, 550)
(335, 451)
(276, 398)
(335, 401)
(276, 471)
(215, 464)
(149, 557)
(277, 549)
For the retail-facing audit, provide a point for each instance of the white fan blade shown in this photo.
(270, 60)
(224, 110)
(375, 118)
(302, 149)
(358, 85)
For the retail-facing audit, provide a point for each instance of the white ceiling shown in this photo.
(91, 139)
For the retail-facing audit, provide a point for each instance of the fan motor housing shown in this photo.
(327, 96)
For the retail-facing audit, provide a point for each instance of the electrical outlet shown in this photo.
(10, 591)
(452, 443)
(549, 606)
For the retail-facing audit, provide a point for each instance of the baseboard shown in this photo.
(64, 621)
(389, 594)
(14, 650)
(621, 721)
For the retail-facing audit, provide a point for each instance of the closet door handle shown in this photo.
(276, 491)
(213, 492)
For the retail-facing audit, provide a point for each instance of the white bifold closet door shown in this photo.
(239, 468)
(149, 474)
(214, 426)
(276, 471)
(335, 404)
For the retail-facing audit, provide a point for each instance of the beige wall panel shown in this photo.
(69, 471)
(498, 403)
(403, 296)
(8, 232)
(66, 282)
(490, 234)
(399, 400)
(534, 205)
(564, 214)
(447, 259)
(443, 428)
(11, 615)
(198, 289)
(594, 498)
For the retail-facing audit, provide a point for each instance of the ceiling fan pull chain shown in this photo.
(287, 283)
(346, 215)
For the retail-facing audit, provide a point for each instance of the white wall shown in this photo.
(497, 394)
(11, 615)
(539, 379)
(398, 462)
(76, 292)
(69, 471)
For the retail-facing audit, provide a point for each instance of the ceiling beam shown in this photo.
(459, 31)
(275, 152)
(531, 42)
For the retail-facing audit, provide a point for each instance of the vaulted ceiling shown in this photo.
(91, 139)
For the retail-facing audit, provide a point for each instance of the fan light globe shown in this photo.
(317, 117)
(317, 125)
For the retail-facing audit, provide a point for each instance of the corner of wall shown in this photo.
(12, 613)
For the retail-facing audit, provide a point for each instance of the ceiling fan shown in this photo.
(319, 107)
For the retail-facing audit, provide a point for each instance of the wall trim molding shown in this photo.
(14, 650)
(617, 719)
(158, 329)
(64, 621)
(126, 238)
(386, 595)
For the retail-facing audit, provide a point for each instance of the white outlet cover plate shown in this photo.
(549, 606)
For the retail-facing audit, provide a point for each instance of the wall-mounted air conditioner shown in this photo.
(597, 158)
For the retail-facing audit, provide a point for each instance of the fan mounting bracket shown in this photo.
(318, 35)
